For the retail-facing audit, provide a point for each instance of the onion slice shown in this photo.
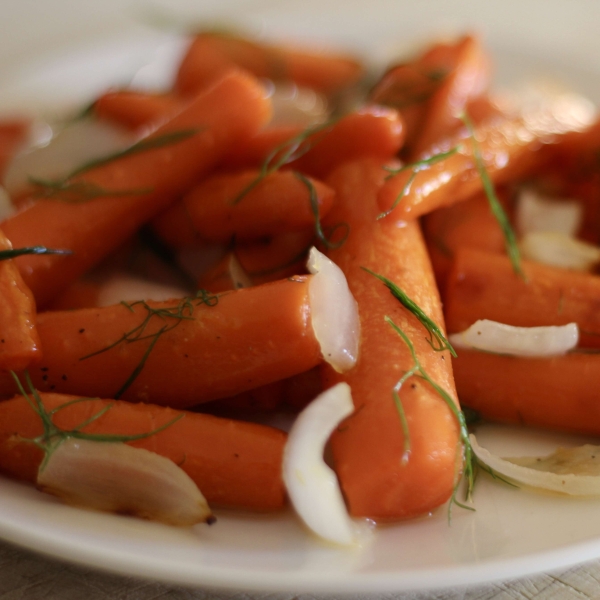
(312, 486)
(572, 471)
(127, 288)
(115, 477)
(334, 312)
(559, 250)
(535, 212)
(492, 336)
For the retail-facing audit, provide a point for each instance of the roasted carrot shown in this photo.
(135, 187)
(482, 285)
(210, 54)
(368, 447)
(19, 340)
(234, 464)
(136, 109)
(178, 353)
(558, 393)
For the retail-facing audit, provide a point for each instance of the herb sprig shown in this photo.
(14, 252)
(171, 316)
(437, 340)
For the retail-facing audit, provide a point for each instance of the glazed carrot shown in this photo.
(82, 293)
(468, 224)
(368, 447)
(484, 286)
(19, 340)
(210, 54)
(234, 464)
(511, 147)
(138, 185)
(182, 352)
(557, 393)
(225, 275)
(467, 77)
(230, 205)
(136, 109)
(175, 228)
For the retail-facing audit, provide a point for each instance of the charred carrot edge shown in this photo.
(220, 209)
(179, 353)
(368, 447)
(482, 285)
(19, 340)
(136, 109)
(231, 110)
(557, 393)
(234, 464)
(210, 54)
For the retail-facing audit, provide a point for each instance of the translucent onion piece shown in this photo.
(559, 250)
(125, 288)
(6, 207)
(491, 336)
(573, 471)
(312, 486)
(293, 105)
(535, 212)
(334, 312)
(115, 477)
(74, 146)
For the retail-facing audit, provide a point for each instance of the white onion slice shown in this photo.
(115, 477)
(559, 250)
(492, 336)
(334, 312)
(6, 207)
(535, 212)
(125, 288)
(294, 105)
(573, 471)
(312, 486)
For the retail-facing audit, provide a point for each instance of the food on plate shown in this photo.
(289, 216)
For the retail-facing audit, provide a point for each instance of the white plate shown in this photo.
(512, 533)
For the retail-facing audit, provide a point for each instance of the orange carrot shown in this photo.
(138, 186)
(210, 54)
(245, 207)
(174, 227)
(19, 340)
(368, 447)
(557, 393)
(484, 286)
(181, 352)
(234, 464)
(136, 109)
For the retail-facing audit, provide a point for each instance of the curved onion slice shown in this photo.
(294, 105)
(559, 250)
(6, 207)
(535, 212)
(491, 336)
(118, 478)
(312, 486)
(573, 471)
(125, 288)
(334, 312)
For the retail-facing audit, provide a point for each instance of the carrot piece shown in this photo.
(136, 109)
(468, 224)
(368, 447)
(192, 351)
(220, 209)
(231, 110)
(234, 464)
(174, 227)
(511, 146)
(82, 293)
(210, 54)
(558, 393)
(484, 286)
(227, 274)
(19, 340)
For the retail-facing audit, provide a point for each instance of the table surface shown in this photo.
(27, 576)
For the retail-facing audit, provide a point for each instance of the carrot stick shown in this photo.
(136, 109)
(484, 286)
(368, 447)
(557, 393)
(226, 206)
(190, 351)
(234, 464)
(174, 227)
(148, 181)
(210, 54)
(511, 148)
(19, 340)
